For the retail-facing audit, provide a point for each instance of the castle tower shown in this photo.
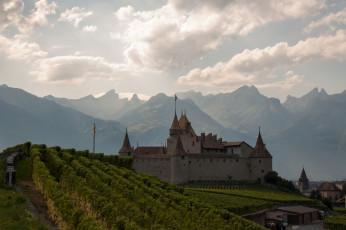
(175, 128)
(126, 150)
(179, 164)
(260, 160)
(303, 182)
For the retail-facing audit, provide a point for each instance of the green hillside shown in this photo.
(93, 191)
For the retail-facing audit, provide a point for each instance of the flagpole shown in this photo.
(175, 103)
(94, 138)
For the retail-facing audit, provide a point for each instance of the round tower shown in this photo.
(179, 164)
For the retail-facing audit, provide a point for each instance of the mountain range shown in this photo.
(308, 131)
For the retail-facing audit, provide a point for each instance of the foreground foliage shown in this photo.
(87, 191)
(335, 222)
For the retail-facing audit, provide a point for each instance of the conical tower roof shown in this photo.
(126, 148)
(183, 122)
(179, 149)
(260, 149)
(175, 123)
(303, 176)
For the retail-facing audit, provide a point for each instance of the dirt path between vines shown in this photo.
(36, 202)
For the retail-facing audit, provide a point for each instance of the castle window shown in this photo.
(232, 151)
(182, 157)
(128, 154)
(237, 160)
(193, 143)
(211, 160)
(260, 161)
(262, 171)
(224, 160)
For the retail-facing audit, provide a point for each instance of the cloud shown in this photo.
(245, 67)
(329, 20)
(18, 49)
(74, 15)
(11, 13)
(290, 80)
(90, 28)
(76, 69)
(181, 31)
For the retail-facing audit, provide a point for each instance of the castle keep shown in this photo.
(189, 157)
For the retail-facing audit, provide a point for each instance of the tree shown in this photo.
(271, 177)
(315, 194)
(343, 191)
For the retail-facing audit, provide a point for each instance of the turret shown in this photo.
(179, 164)
(260, 160)
(175, 128)
(126, 150)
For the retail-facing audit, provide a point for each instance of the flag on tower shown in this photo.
(94, 129)
(175, 97)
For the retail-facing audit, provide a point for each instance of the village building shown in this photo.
(188, 157)
(330, 191)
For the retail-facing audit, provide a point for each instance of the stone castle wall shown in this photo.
(181, 169)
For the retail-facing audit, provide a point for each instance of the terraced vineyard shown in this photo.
(91, 191)
(235, 204)
(255, 192)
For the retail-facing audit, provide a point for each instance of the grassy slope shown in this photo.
(14, 213)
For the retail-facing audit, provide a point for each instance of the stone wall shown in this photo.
(160, 167)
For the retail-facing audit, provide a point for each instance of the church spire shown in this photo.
(260, 149)
(126, 148)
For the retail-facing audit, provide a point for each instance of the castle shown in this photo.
(189, 157)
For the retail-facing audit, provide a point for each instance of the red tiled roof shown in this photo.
(210, 144)
(126, 148)
(183, 122)
(228, 144)
(150, 150)
(328, 186)
(154, 156)
(175, 123)
(297, 209)
(260, 149)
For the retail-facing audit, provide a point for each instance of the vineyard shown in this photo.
(242, 199)
(254, 192)
(92, 191)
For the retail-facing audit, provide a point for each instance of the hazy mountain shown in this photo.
(243, 110)
(157, 115)
(107, 107)
(314, 135)
(295, 105)
(25, 117)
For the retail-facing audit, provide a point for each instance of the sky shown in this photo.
(79, 47)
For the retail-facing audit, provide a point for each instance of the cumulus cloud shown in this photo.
(76, 69)
(338, 18)
(246, 66)
(90, 28)
(181, 31)
(18, 49)
(291, 79)
(75, 15)
(11, 13)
